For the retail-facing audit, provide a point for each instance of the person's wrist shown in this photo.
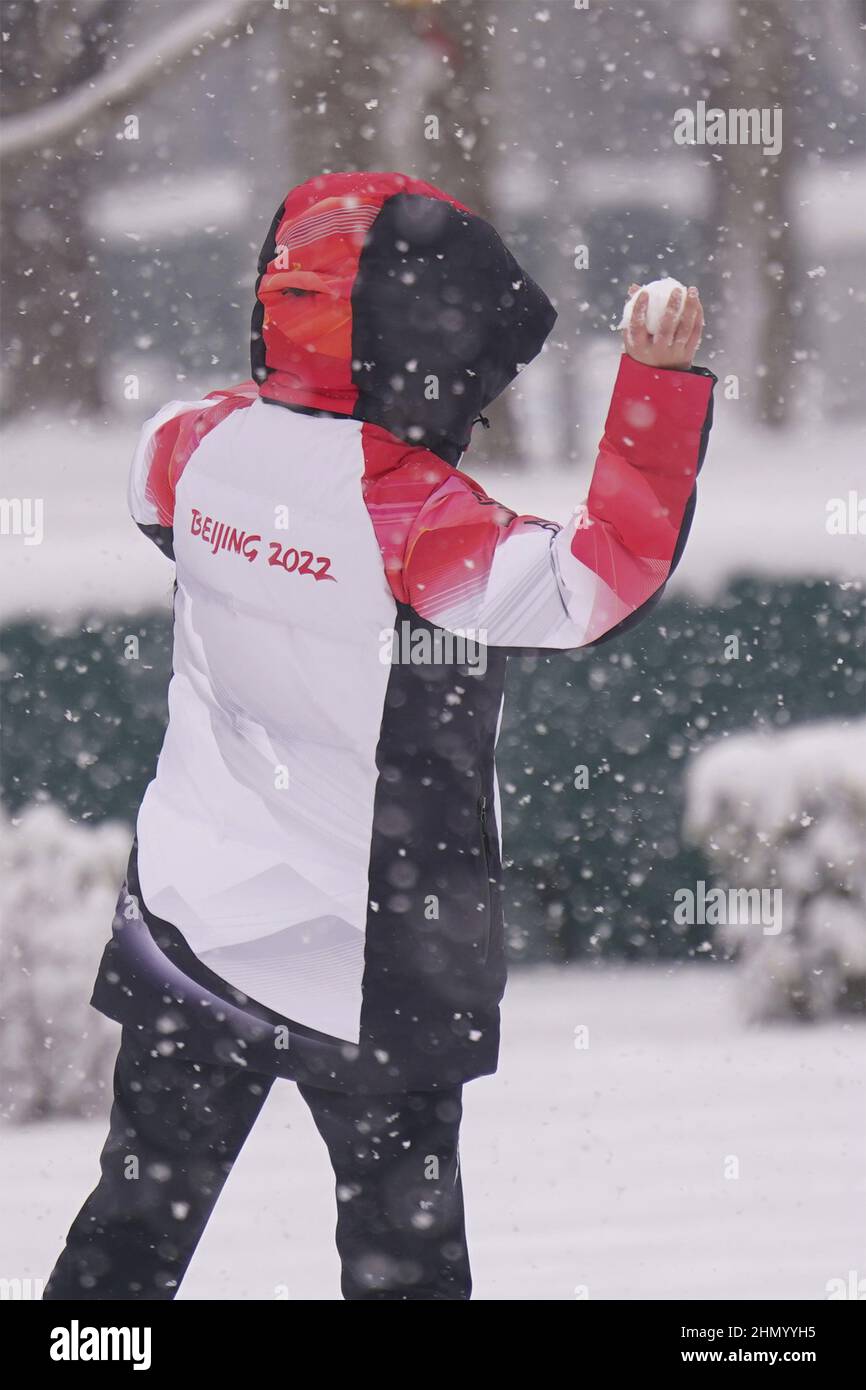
(661, 366)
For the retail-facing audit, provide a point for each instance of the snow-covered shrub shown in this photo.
(788, 811)
(58, 888)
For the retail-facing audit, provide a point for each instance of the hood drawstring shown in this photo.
(483, 420)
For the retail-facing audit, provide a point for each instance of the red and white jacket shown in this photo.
(320, 843)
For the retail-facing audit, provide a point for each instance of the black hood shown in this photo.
(443, 320)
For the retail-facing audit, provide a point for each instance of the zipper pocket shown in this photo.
(486, 865)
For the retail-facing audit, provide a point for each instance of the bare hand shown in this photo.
(675, 344)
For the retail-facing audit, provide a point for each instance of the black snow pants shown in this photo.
(176, 1129)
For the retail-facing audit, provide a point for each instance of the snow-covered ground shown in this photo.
(600, 1167)
(762, 507)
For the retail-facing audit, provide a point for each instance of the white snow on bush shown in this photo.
(788, 811)
(58, 888)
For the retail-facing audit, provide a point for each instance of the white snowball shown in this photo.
(659, 293)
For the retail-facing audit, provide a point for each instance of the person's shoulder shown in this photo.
(389, 460)
(241, 394)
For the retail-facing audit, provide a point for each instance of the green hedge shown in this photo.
(593, 869)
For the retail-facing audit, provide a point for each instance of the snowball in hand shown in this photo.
(659, 293)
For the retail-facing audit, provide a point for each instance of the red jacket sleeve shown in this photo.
(472, 566)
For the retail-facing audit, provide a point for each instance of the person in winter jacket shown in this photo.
(315, 888)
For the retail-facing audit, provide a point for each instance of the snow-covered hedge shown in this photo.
(58, 888)
(788, 811)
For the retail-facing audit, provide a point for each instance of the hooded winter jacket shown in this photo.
(317, 884)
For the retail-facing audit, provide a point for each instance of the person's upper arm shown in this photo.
(471, 565)
(150, 493)
(165, 445)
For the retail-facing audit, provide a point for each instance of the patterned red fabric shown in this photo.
(399, 481)
(174, 443)
(643, 478)
(439, 531)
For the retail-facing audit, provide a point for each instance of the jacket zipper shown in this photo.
(485, 859)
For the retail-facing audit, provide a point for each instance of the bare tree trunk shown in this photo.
(48, 273)
(385, 84)
(757, 251)
(462, 160)
(339, 61)
(456, 97)
(57, 83)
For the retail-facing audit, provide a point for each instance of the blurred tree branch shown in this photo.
(89, 88)
(60, 78)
